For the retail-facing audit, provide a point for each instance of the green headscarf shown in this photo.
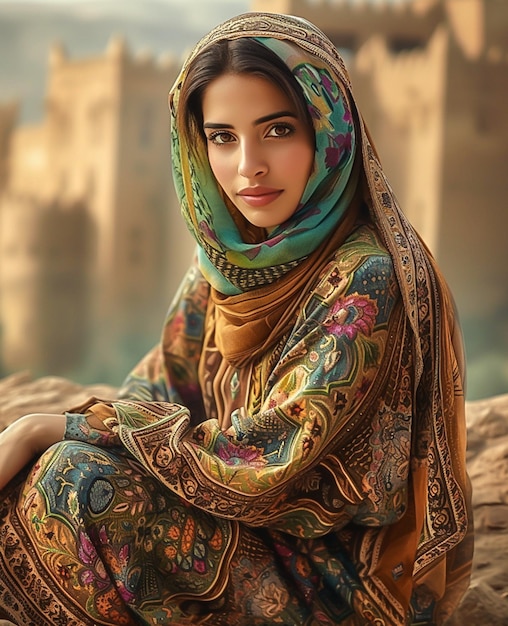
(231, 265)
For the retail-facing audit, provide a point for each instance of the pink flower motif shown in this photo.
(124, 593)
(240, 455)
(345, 142)
(103, 537)
(352, 315)
(87, 577)
(86, 550)
(315, 113)
(338, 150)
(332, 157)
(88, 556)
(329, 86)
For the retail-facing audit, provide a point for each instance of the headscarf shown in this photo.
(257, 287)
(230, 264)
(440, 485)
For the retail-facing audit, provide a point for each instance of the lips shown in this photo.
(259, 196)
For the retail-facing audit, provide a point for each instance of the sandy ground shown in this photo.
(486, 602)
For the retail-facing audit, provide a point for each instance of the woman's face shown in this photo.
(260, 152)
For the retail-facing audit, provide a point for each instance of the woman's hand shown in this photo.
(26, 438)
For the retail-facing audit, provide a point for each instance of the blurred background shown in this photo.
(92, 246)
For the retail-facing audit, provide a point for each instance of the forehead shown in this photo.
(244, 96)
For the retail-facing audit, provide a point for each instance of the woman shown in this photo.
(293, 450)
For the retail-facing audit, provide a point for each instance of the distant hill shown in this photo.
(27, 30)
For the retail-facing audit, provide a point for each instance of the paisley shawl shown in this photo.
(320, 481)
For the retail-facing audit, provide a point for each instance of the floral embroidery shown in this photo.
(95, 573)
(240, 455)
(271, 599)
(352, 315)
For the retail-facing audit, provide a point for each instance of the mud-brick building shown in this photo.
(86, 213)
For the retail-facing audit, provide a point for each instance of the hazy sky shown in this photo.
(181, 2)
(84, 27)
(201, 15)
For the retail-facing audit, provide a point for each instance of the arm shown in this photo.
(26, 438)
(275, 464)
(169, 372)
(329, 441)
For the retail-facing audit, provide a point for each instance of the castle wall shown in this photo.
(8, 116)
(475, 185)
(30, 163)
(152, 246)
(44, 315)
(81, 122)
(103, 142)
(349, 23)
(401, 98)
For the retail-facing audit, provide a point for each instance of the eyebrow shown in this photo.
(260, 120)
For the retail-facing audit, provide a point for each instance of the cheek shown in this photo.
(303, 162)
(221, 168)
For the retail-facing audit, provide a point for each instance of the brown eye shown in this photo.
(220, 138)
(280, 130)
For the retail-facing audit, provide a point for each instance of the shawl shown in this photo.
(438, 376)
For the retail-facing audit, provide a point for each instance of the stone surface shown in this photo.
(486, 602)
(21, 394)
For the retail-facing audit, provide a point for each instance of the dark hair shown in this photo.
(238, 56)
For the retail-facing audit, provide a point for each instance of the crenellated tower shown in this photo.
(45, 250)
(103, 145)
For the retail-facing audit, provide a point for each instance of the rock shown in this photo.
(486, 602)
(482, 606)
(21, 394)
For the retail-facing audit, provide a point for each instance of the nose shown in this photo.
(252, 161)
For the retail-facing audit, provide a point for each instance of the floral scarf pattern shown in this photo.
(229, 264)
